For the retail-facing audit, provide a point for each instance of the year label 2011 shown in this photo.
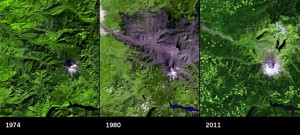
(213, 125)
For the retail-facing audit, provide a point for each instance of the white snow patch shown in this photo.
(272, 71)
(73, 69)
(144, 106)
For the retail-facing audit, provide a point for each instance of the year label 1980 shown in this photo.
(113, 124)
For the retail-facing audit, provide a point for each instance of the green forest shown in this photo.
(128, 87)
(36, 38)
(249, 60)
(39, 39)
(235, 38)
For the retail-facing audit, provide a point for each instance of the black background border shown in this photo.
(151, 123)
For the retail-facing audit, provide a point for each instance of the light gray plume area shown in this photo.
(174, 46)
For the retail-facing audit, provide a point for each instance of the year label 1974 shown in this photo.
(13, 125)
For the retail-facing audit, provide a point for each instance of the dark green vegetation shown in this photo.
(231, 79)
(36, 37)
(128, 87)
